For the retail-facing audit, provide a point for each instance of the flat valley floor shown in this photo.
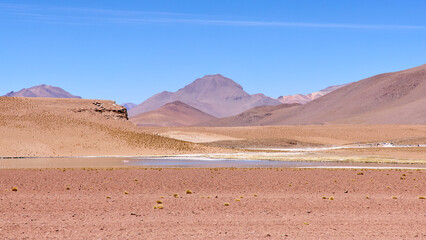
(263, 203)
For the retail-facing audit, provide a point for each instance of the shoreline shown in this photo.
(196, 162)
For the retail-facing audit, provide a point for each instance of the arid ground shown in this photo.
(263, 203)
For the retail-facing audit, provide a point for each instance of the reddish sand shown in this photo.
(289, 204)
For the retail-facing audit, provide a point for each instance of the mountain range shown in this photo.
(214, 100)
(390, 98)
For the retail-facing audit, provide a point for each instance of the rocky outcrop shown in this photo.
(107, 110)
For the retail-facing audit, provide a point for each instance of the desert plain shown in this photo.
(224, 204)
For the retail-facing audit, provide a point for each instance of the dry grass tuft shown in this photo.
(188, 191)
(14, 189)
(158, 206)
(227, 204)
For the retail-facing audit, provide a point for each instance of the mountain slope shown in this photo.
(249, 117)
(213, 94)
(172, 114)
(390, 98)
(302, 99)
(43, 90)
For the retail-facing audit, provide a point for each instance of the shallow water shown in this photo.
(149, 162)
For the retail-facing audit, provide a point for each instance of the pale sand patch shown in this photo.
(197, 137)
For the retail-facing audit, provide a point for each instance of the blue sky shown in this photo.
(129, 50)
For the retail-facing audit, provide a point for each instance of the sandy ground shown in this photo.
(93, 204)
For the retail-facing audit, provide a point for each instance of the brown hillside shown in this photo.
(172, 114)
(76, 127)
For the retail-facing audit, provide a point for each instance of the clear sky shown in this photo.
(129, 50)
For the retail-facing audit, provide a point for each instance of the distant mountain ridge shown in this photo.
(44, 91)
(213, 94)
(389, 98)
(302, 99)
(172, 114)
(129, 106)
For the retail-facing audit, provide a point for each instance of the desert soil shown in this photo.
(93, 204)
